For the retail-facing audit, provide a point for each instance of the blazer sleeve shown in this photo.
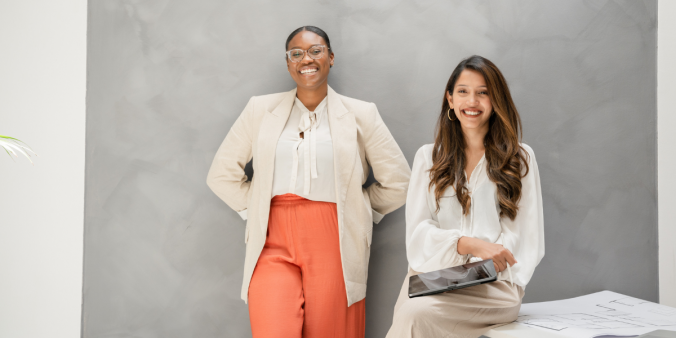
(226, 177)
(389, 166)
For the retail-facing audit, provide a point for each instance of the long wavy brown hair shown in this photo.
(506, 159)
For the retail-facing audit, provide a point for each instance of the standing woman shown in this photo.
(309, 221)
(474, 194)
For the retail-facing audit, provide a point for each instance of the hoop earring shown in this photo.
(448, 112)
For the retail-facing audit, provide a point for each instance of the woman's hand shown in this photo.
(480, 248)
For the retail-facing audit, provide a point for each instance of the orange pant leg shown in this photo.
(276, 289)
(318, 249)
(297, 289)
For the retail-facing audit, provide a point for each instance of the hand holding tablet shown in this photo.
(501, 256)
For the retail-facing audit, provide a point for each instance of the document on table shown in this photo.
(603, 313)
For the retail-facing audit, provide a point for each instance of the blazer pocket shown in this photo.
(246, 234)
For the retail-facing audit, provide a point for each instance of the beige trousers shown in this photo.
(464, 313)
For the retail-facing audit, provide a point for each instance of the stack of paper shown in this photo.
(603, 313)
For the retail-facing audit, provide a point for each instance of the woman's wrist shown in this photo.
(465, 245)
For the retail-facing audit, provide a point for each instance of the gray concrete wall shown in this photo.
(164, 256)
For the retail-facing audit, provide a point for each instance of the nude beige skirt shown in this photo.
(464, 313)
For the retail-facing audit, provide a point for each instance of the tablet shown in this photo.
(457, 277)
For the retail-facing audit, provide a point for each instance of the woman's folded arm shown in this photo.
(389, 165)
(226, 176)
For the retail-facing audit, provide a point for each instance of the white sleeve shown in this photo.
(525, 235)
(428, 247)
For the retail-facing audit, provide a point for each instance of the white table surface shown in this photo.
(516, 330)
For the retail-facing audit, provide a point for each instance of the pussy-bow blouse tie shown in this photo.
(307, 132)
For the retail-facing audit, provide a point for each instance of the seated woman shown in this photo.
(474, 194)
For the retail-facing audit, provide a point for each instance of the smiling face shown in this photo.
(308, 73)
(470, 101)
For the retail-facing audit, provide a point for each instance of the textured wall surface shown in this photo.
(164, 256)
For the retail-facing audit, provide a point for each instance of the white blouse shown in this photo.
(432, 238)
(304, 165)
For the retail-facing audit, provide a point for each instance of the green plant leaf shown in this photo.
(13, 145)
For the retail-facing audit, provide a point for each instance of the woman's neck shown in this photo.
(311, 98)
(474, 141)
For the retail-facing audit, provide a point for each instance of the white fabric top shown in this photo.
(304, 166)
(432, 238)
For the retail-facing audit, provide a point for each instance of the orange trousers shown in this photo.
(297, 289)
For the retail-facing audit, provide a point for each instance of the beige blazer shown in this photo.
(360, 138)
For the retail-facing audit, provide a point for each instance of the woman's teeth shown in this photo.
(308, 71)
(472, 112)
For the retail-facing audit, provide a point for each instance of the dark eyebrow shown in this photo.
(462, 85)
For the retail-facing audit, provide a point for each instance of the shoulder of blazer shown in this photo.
(364, 112)
(269, 102)
(354, 105)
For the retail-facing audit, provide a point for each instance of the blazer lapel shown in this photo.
(270, 129)
(344, 137)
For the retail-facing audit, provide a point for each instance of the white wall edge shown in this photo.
(666, 149)
(42, 102)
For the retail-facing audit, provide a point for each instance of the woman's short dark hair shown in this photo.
(312, 29)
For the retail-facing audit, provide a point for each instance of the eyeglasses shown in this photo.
(315, 52)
